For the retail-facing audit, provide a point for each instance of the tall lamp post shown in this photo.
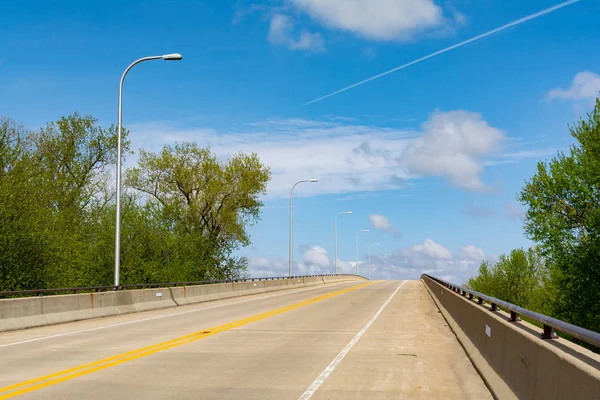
(359, 232)
(292, 221)
(335, 237)
(372, 244)
(168, 57)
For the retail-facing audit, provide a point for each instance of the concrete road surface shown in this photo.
(373, 340)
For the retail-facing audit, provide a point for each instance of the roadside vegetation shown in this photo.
(560, 276)
(184, 212)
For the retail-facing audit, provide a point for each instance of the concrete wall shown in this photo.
(21, 313)
(28, 312)
(511, 357)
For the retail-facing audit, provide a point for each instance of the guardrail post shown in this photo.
(494, 307)
(514, 317)
(548, 333)
(479, 300)
(470, 296)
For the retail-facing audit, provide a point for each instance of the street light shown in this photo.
(168, 57)
(359, 232)
(335, 237)
(171, 57)
(372, 244)
(291, 220)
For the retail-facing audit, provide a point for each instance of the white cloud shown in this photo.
(405, 263)
(453, 145)
(472, 253)
(263, 267)
(430, 249)
(375, 19)
(315, 261)
(308, 41)
(430, 258)
(281, 32)
(316, 255)
(295, 149)
(280, 27)
(382, 222)
(585, 86)
(345, 156)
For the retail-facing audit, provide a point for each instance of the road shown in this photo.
(359, 340)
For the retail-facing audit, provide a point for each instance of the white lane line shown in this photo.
(331, 367)
(154, 318)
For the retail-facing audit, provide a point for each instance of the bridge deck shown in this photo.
(286, 345)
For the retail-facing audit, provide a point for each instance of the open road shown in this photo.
(355, 340)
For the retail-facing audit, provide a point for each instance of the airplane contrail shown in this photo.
(437, 53)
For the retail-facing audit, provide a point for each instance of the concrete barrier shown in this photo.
(21, 313)
(48, 310)
(278, 284)
(511, 357)
(28, 312)
(143, 300)
(312, 281)
(197, 294)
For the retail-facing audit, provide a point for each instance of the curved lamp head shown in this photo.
(173, 57)
(347, 212)
(365, 230)
(313, 180)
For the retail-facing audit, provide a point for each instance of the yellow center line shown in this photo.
(71, 373)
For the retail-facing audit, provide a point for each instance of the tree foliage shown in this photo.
(47, 189)
(181, 221)
(198, 196)
(561, 277)
(563, 200)
(519, 278)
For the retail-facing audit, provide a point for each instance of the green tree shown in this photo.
(483, 282)
(50, 182)
(12, 138)
(518, 278)
(563, 200)
(57, 210)
(23, 246)
(205, 203)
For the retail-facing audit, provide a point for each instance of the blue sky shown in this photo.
(429, 158)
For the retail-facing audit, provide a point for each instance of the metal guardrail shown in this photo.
(75, 290)
(549, 323)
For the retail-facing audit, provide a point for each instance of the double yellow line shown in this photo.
(58, 377)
